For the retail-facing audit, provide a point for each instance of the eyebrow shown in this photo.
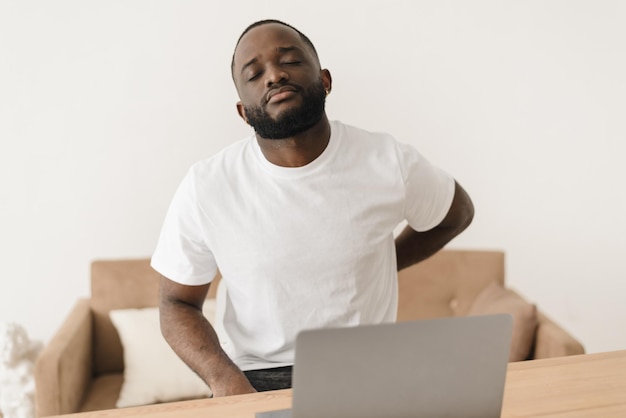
(247, 64)
(281, 50)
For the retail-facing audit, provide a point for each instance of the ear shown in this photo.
(242, 112)
(327, 80)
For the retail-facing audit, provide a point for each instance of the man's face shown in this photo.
(279, 81)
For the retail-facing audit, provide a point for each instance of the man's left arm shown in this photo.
(413, 246)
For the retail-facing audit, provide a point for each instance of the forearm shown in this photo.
(195, 341)
(413, 247)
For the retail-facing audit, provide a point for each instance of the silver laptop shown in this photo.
(447, 367)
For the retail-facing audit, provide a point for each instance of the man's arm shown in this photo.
(193, 338)
(413, 247)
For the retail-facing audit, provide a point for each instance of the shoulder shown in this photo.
(353, 133)
(370, 143)
(228, 158)
(215, 173)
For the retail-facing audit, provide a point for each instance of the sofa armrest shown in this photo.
(63, 367)
(553, 341)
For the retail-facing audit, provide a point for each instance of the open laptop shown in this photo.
(447, 367)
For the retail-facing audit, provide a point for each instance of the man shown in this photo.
(299, 218)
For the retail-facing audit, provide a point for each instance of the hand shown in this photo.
(232, 384)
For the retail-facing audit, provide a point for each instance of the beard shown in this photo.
(292, 121)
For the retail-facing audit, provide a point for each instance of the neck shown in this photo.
(298, 150)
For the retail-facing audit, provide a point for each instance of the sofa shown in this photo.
(82, 367)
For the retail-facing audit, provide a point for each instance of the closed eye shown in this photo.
(291, 63)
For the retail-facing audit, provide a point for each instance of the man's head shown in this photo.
(277, 74)
(305, 38)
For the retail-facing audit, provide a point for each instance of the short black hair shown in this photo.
(265, 22)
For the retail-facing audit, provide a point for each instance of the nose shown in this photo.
(275, 75)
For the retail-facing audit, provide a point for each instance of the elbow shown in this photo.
(468, 214)
(462, 209)
(165, 321)
(169, 318)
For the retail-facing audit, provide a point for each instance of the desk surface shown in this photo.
(592, 385)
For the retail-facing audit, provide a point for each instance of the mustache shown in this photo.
(278, 88)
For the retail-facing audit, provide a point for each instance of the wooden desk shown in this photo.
(590, 386)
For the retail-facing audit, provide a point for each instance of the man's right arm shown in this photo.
(193, 338)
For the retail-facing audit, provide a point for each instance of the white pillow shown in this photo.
(153, 372)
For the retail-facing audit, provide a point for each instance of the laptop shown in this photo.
(445, 367)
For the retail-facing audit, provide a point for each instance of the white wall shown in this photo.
(104, 105)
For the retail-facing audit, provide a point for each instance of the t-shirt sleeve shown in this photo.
(182, 254)
(428, 190)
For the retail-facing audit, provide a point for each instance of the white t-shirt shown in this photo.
(303, 247)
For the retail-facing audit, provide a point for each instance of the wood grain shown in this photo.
(590, 386)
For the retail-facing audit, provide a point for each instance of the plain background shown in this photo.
(105, 104)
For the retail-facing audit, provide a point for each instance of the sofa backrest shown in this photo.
(443, 285)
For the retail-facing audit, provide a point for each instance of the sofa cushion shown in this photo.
(153, 372)
(447, 283)
(494, 299)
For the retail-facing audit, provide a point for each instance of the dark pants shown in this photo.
(270, 379)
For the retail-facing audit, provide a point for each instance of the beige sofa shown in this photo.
(82, 367)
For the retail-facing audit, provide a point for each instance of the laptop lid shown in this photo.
(447, 367)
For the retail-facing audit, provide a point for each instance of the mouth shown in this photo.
(280, 93)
